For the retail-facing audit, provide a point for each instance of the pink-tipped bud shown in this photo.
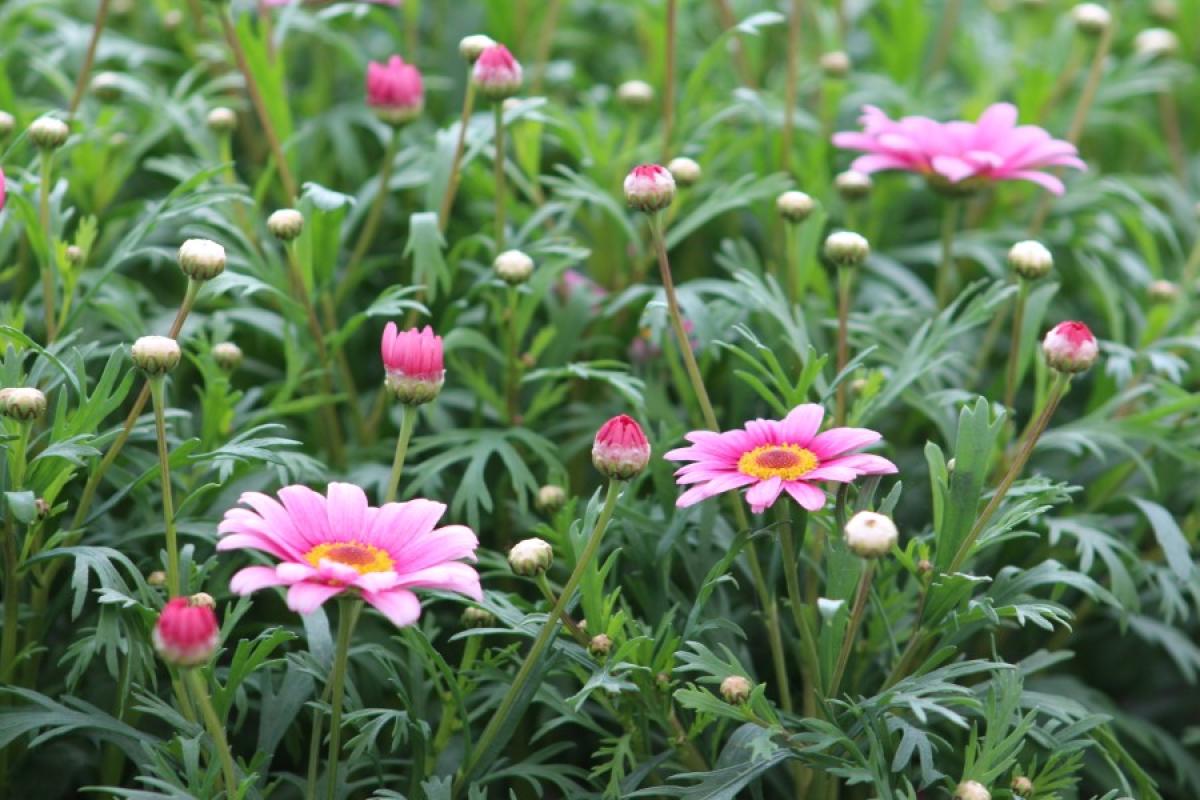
(187, 632)
(1070, 347)
(736, 689)
(621, 449)
(395, 91)
(413, 360)
(496, 73)
(649, 188)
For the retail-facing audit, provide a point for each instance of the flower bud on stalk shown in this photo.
(736, 689)
(1163, 292)
(1022, 786)
(513, 267)
(600, 646)
(871, 535)
(853, 185)
(414, 364)
(649, 188)
(1091, 19)
(227, 355)
(530, 557)
(635, 94)
(395, 91)
(496, 73)
(48, 133)
(972, 790)
(471, 47)
(846, 249)
(24, 404)
(7, 123)
(201, 259)
(835, 64)
(222, 120)
(794, 206)
(550, 498)
(1070, 347)
(187, 632)
(473, 617)
(1031, 260)
(621, 450)
(107, 86)
(1156, 43)
(156, 355)
(285, 224)
(685, 171)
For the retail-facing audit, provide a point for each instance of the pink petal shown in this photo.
(399, 605)
(953, 168)
(451, 543)
(763, 494)
(294, 572)
(995, 124)
(251, 579)
(452, 577)
(346, 508)
(1043, 179)
(802, 423)
(832, 472)
(253, 541)
(879, 163)
(836, 441)
(337, 572)
(305, 598)
(808, 496)
(307, 510)
(396, 524)
(862, 463)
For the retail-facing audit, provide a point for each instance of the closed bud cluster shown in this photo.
(600, 646)
(201, 259)
(1163, 292)
(513, 267)
(48, 133)
(222, 120)
(530, 557)
(187, 632)
(471, 47)
(649, 188)
(972, 790)
(846, 249)
(156, 355)
(285, 224)
(1031, 260)
(685, 171)
(635, 94)
(621, 450)
(1091, 19)
(736, 689)
(794, 206)
(852, 185)
(1070, 347)
(227, 355)
(475, 617)
(871, 535)
(835, 64)
(550, 498)
(22, 403)
(496, 73)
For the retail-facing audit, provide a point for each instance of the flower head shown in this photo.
(285, 224)
(684, 170)
(471, 47)
(649, 188)
(394, 90)
(531, 556)
(960, 155)
(22, 403)
(337, 542)
(1070, 347)
(871, 535)
(156, 355)
(736, 689)
(413, 360)
(227, 355)
(48, 133)
(187, 633)
(794, 206)
(513, 267)
(221, 120)
(774, 456)
(201, 259)
(846, 248)
(635, 94)
(1030, 259)
(621, 449)
(972, 790)
(496, 73)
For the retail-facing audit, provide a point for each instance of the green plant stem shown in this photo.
(668, 108)
(774, 635)
(498, 167)
(49, 266)
(856, 616)
(408, 421)
(446, 724)
(501, 715)
(260, 107)
(182, 698)
(89, 57)
(946, 33)
(571, 625)
(371, 225)
(216, 729)
(794, 279)
(791, 92)
(945, 276)
(801, 777)
(512, 363)
(12, 585)
(545, 41)
(157, 394)
(1014, 350)
(740, 63)
(456, 163)
(347, 616)
(845, 281)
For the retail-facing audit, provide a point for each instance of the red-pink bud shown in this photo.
(496, 73)
(1070, 347)
(394, 90)
(649, 188)
(186, 634)
(621, 450)
(414, 364)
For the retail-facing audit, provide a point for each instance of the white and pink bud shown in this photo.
(156, 355)
(496, 73)
(471, 47)
(736, 689)
(395, 91)
(871, 535)
(201, 259)
(649, 188)
(1070, 347)
(621, 450)
(187, 633)
(531, 557)
(414, 363)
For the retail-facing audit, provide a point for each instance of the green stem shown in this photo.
(845, 280)
(512, 364)
(49, 265)
(456, 162)
(164, 469)
(367, 235)
(216, 729)
(498, 166)
(408, 421)
(1014, 350)
(946, 33)
(347, 615)
(945, 276)
(791, 90)
(856, 616)
(503, 711)
(89, 57)
(808, 663)
(668, 109)
(795, 276)
(774, 635)
(545, 40)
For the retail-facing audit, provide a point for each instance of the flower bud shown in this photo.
(156, 355)
(172, 20)
(621, 449)
(22, 403)
(600, 646)
(951, 464)
(835, 64)
(227, 355)
(972, 790)
(285, 224)
(48, 133)
(859, 385)
(475, 617)
(1091, 19)
(736, 689)
(471, 47)
(74, 255)
(41, 509)
(187, 633)
(513, 267)
(395, 91)
(1156, 43)
(157, 578)
(1031, 260)
(550, 498)
(222, 120)
(531, 557)
(852, 185)
(201, 259)
(685, 171)
(202, 600)
(7, 123)
(635, 94)
(414, 363)
(1022, 786)
(1162, 292)
(794, 206)
(1164, 11)
(649, 188)
(846, 249)
(871, 535)
(924, 566)
(1070, 347)
(496, 73)
(107, 86)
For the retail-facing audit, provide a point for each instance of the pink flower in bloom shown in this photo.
(186, 633)
(772, 457)
(649, 188)
(620, 450)
(394, 90)
(994, 148)
(496, 73)
(1070, 347)
(414, 364)
(338, 543)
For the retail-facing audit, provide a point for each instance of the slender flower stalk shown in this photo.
(347, 616)
(49, 267)
(740, 63)
(198, 690)
(498, 167)
(12, 583)
(157, 394)
(371, 225)
(791, 89)
(545, 41)
(949, 26)
(946, 269)
(89, 57)
(464, 122)
(1014, 348)
(845, 281)
(851, 634)
(408, 422)
(668, 107)
(512, 363)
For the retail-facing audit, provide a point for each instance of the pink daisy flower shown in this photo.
(772, 457)
(339, 543)
(994, 148)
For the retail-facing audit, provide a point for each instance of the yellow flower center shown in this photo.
(362, 557)
(785, 461)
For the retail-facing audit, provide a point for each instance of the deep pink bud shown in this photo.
(187, 632)
(621, 450)
(413, 360)
(394, 90)
(649, 188)
(1070, 347)
(496, 73)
